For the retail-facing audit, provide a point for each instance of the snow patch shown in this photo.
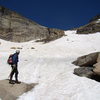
(50, 66)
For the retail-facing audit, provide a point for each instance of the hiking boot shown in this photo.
(11, 82)
(17, 82)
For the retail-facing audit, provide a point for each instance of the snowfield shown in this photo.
(50, 65)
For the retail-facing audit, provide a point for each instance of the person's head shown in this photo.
(17, 51)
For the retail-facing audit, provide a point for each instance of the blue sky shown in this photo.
(62, 14)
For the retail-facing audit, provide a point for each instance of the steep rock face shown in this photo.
(92, 27)
(14, 27)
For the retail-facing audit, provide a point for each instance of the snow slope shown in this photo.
(50, 66)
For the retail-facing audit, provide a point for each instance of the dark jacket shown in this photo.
(15, 58)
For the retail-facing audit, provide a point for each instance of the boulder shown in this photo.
(89, 66)
(84, 71)
(12, 91)
(87, 60)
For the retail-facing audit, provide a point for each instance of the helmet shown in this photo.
(17, 51)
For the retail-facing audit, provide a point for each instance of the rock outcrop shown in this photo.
(16, 28)
(92, 27)
(89, 66)
(12, 91)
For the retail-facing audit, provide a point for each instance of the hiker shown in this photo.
(14, 66)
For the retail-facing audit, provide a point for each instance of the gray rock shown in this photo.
(16, 28)
(84, 71)
(89, 66)
(87, 60)
(12, 91)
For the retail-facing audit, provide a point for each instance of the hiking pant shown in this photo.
(14, 71)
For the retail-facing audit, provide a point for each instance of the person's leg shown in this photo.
(11, 74)
(16, 75)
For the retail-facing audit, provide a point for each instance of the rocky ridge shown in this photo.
(92, 27)
(16, 28)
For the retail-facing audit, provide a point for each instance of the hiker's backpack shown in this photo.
(10, 60)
